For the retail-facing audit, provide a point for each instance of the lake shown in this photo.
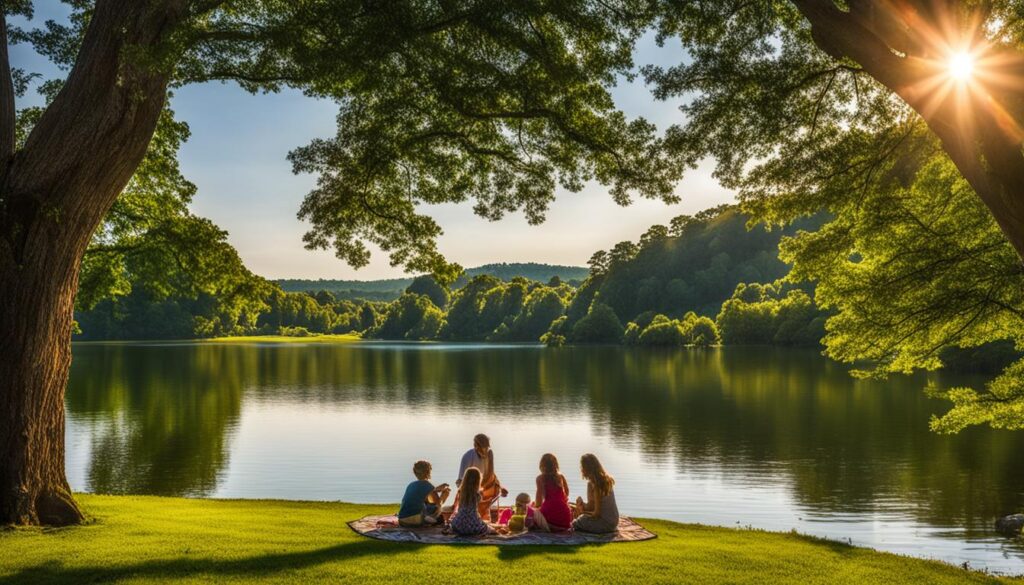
(770, 438)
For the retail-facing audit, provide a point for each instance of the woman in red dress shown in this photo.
(552, 496)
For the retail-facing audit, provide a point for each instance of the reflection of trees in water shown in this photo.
(845, 445)
(160, 423)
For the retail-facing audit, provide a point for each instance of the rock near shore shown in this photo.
(1010, 525)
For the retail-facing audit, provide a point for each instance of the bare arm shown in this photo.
(539, 500)
(589, 507)
(490, 469)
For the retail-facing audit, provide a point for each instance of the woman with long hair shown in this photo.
(552, 500)
(467, 521)
(599, 514)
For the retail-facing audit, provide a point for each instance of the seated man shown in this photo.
(422, 502)
(481, 457)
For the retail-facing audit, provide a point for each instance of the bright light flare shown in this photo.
(961, 66)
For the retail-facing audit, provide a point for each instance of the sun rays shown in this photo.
(961, 66)
(960, 71)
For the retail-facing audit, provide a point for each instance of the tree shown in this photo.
(542, 307)
(412, 316)
(811, 105)
(663, 331)
(601, 325)
(700, 331)
(439, 102)
(426, 285)
(817, 58)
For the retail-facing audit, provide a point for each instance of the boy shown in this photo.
(422, 502)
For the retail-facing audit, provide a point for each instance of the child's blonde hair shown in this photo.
(522, 500)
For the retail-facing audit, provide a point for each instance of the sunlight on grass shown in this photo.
(154, 540)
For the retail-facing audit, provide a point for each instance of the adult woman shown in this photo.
(599, 514)
(552, 500)
(467, 521)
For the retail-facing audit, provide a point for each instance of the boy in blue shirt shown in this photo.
(422, 502)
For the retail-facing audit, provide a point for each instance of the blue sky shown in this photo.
(236, 157)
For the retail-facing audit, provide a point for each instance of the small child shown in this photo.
(422, 502)
(521, 518)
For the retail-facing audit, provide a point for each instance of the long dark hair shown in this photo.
(470, 487)
(594, 472)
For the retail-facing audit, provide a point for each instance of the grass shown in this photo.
(343, 338)
(153, 540)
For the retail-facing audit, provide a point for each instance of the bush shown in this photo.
(663, 332)
(600, 325)
(294, 332)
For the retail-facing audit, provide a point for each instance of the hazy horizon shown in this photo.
(237, 159)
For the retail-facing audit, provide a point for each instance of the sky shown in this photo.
(236, 156)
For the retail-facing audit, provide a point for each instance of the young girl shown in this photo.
(599, 514)
(552, 503)
(466, 521)
(521, 517)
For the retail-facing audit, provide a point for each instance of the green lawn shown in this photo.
(342, 338)
(149, 539)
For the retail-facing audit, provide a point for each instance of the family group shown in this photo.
(478, 489)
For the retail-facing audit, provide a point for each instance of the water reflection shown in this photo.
(165, 419)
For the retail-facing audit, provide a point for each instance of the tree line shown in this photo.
(683, 284)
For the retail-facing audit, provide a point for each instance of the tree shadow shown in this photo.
(517, 552)
(56, 572)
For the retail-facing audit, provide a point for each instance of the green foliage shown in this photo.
(495, 102)
(1000, 406)
(543, 306)
(392, 288)
(600, 325)
(700, 331)
(910, 262)
(692, 266)
(294, 332)
(659, 330)
(557, 334)
(270, 311)
(663, 332)
(770, 314)
(412, 316)
(427, 286)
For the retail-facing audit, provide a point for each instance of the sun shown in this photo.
(961, 66)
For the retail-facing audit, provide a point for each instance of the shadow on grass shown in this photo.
(255, 566)
(515, 553)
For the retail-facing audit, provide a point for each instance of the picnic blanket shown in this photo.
(387, 528)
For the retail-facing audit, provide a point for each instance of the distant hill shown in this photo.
(391, 288)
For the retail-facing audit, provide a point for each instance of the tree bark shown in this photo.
(54, 192)
(903, 45)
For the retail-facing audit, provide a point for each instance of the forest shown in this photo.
(701, 280)
(391, 288)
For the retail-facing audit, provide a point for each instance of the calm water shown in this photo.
(775, 439)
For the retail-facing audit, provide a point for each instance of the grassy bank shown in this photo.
(151, 540)
(343, 338)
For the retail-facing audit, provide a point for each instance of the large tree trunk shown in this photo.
(54, 192)
(905, 45)
(35, 315)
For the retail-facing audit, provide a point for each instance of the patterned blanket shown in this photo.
(387, 528)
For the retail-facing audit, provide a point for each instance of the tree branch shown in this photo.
(7, 111)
